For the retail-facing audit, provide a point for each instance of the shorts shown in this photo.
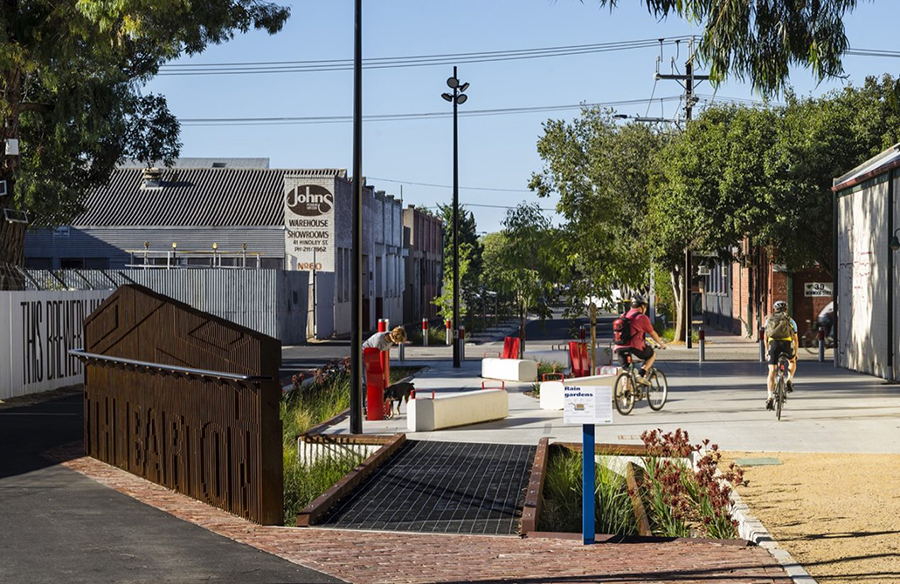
(642, 354)
(776, 348)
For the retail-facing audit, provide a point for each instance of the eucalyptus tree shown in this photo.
(71, 92)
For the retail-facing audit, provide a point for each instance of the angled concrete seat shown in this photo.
(509, 369)
(458, 409)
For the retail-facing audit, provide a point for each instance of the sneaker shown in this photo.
(770, 403)
(643, 379)
(790, 386)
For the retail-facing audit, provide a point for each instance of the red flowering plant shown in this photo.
(686, 500)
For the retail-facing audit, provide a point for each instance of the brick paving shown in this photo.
(373, 557)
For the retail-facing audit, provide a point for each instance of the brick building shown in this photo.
(424, 259)
(738, 296)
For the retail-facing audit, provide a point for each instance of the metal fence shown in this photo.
(273, 302)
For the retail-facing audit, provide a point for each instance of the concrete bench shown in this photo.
(458, 409)
(552, 391)
(509, 369)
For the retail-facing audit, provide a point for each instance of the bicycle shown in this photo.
(810, 339)
(627, 389)
(779, 393)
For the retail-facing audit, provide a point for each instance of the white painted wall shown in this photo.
(37, 329)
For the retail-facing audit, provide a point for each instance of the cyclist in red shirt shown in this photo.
(640, 325)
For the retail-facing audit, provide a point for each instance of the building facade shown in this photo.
(424, 263)
(240, 214)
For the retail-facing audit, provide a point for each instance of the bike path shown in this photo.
(60, 526)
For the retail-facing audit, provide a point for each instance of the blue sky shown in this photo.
(495, 152)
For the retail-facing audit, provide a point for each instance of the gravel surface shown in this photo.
(837, 514)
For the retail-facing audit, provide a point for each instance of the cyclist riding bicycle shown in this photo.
(781, 338)
(628, 333)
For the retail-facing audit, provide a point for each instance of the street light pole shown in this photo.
(356, 234)
(457, 98)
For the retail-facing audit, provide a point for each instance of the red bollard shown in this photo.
(382, 325)
(449, 334)
(374, 384)
(701, 336)
(821, 337)
(762, 345)
(424, 332)
(582, 333)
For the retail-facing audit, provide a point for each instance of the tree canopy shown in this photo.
(71, 80)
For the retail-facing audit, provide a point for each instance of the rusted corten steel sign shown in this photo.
(186, 400)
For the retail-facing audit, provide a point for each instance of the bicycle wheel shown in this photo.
(623, 393)
(658, 391)
(810, 341)
(779, 395)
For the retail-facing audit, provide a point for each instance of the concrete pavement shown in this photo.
(831, 410)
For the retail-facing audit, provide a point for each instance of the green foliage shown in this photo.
(759, 41)
(303, 483)
(562, 497)
(470, 262)
(71, 75)
(600, 169)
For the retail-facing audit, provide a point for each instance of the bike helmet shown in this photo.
(637, 300)
(780, 306)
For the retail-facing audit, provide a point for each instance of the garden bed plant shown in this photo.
(304, 406)
(544, 367)
(678, 487)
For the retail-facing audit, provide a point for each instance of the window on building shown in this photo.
(269, 263)
(39, 263)
(96, 263)
(71, 263)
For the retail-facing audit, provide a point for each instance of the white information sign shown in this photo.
(818, 289)
(587, 404)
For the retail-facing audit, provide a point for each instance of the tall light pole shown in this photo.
(356, 234)
(456, 98)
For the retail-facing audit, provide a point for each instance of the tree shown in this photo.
(761, 40)
(709, 187)
(524, 255)
(469, 254)
(600, 169)
(71, 74)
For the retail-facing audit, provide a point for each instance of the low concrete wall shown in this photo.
(552, 391)
(461, 409)
(509, 369)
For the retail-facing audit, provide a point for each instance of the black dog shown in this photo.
(397, 393)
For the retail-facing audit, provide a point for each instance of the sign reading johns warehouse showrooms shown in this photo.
(309, 223)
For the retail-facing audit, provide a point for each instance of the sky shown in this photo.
(497, 154)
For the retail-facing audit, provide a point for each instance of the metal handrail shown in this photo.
(81, 354)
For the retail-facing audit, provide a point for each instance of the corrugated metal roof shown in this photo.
(871, 168)
(193, 197)
(204, 162)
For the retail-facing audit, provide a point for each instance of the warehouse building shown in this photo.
(239, 214)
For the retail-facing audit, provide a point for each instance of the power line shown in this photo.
(422, 184)
(302, 120)
(324, 65)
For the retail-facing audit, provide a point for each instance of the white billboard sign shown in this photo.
(587, 404)
(37, 329)
(309, 223)
(818, 289)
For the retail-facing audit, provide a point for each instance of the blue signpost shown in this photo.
(587, 485)
(587, 405)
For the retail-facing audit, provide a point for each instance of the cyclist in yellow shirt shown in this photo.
(781, 337)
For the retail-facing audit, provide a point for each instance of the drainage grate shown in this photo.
(441, 487)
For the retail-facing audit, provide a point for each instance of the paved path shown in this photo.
(383, 557)
(831, 410)
(57, 525)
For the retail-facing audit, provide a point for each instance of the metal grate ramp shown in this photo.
(441, 487)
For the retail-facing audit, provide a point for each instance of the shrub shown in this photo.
(683, 501)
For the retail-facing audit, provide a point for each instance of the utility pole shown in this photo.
(689, 77)
(356, 325)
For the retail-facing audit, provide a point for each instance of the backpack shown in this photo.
(778, 326)
(622, 331)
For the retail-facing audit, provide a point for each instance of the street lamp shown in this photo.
(457, 98)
